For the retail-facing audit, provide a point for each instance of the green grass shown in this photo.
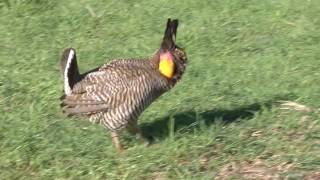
(244, 56)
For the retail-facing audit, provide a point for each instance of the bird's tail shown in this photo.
(169, 39)
(69, 69)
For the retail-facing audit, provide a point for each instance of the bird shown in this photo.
(115, 94)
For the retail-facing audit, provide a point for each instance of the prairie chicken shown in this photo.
(115, 94)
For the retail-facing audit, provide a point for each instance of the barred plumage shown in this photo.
(115, 94)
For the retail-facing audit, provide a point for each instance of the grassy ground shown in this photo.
(223, 120)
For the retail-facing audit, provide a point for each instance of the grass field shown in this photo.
(247, 107)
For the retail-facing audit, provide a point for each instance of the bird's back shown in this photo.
(116, 93)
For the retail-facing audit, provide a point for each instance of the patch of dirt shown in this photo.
(312, 175)
(256, 169)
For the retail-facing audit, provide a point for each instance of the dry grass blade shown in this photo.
(291, 105)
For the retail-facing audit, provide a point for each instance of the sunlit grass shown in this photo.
(244, 56)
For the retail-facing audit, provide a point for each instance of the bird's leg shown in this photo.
(116, 141)
(135, 130)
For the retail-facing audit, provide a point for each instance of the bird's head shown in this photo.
(172, 59)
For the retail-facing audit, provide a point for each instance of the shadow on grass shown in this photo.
(160, 128)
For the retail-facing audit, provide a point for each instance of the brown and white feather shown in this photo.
(116, 93)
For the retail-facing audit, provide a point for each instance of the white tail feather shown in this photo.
(67, 88)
